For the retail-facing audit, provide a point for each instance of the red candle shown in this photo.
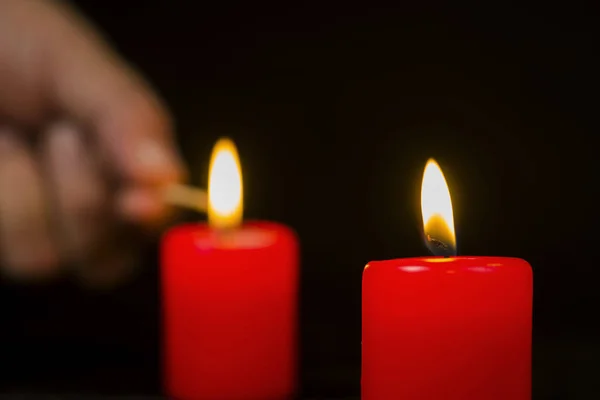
(229, 299)
(446, 328)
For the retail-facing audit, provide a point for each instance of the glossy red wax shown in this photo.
(230, 312)
(447, 329)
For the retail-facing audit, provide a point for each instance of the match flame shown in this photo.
(436, 207)
(225, 191)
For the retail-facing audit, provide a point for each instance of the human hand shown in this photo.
(85, 148)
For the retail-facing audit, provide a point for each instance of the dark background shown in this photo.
(335, 112)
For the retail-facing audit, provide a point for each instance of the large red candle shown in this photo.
(446, 328)
(229, 300)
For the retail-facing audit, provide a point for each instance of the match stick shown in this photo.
(187, 196)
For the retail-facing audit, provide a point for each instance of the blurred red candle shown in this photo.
(446, 328)
(229, 299)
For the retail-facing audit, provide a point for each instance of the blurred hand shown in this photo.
(85, 147)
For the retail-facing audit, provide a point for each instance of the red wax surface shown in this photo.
(447, 329)
(230, 312)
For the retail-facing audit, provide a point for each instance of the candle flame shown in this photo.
(225, 190)
(436, 208)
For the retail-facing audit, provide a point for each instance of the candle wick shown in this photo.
(439, 247)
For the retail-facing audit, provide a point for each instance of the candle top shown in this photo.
(449, 264)
(248, 236)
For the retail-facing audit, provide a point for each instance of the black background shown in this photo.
(335, 112)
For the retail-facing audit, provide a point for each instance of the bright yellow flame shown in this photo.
(225, 191)
(436, 208)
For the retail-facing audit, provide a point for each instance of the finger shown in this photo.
(61, 63)
(78, 190)
(26, 246)
(144, 204)
(87, 218)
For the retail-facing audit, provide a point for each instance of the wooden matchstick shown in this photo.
(187, 196)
